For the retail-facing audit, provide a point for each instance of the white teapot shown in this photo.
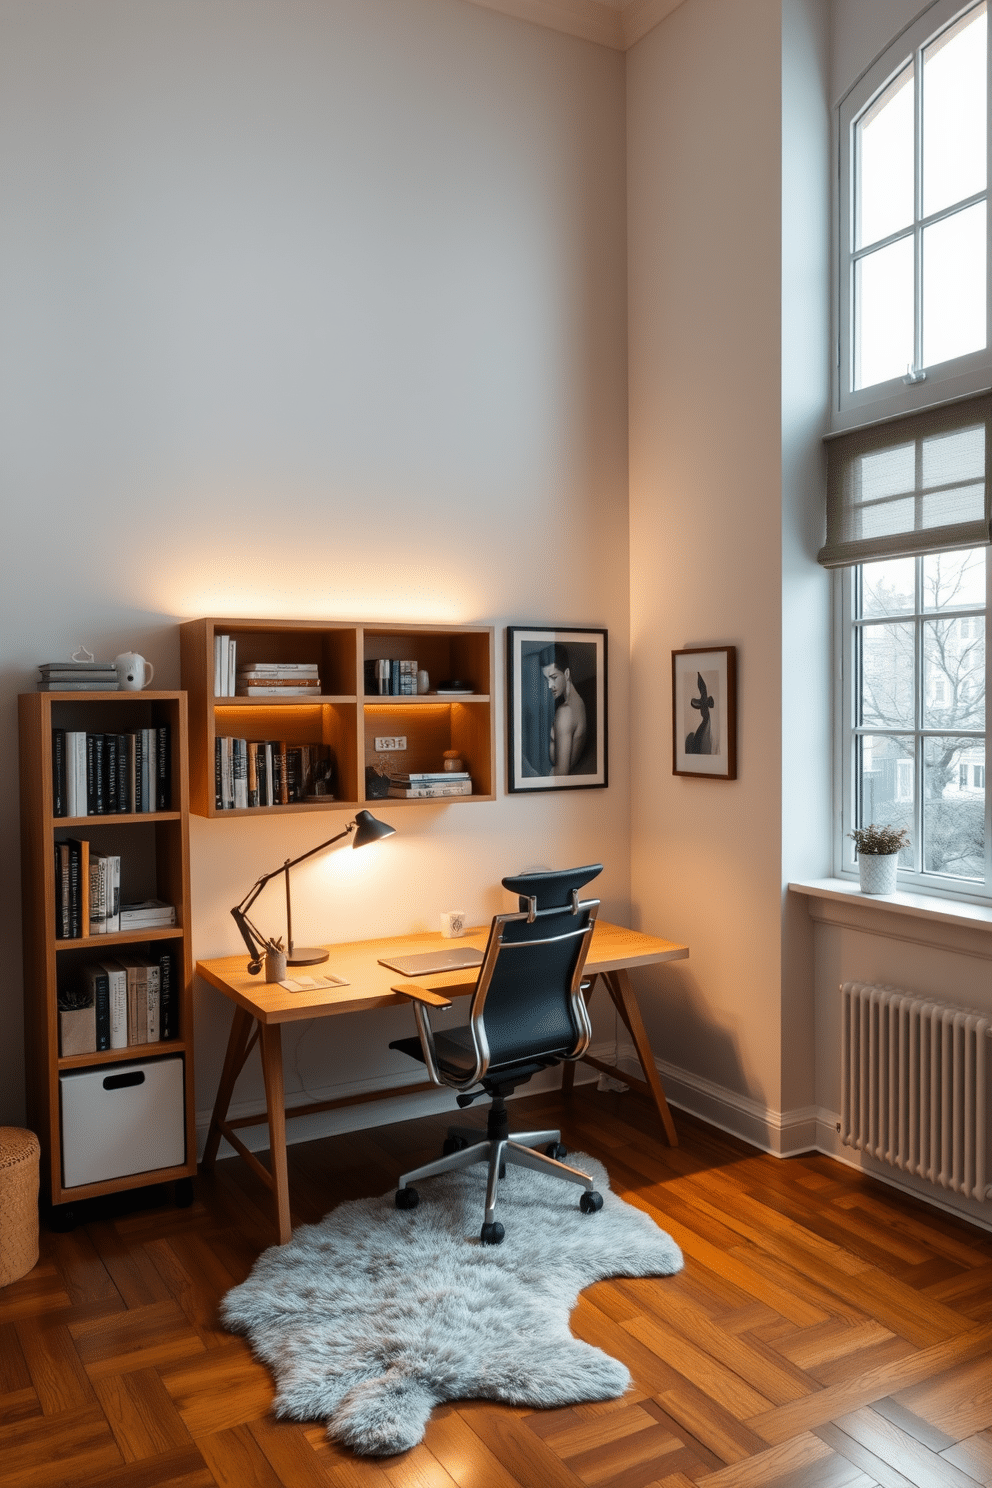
(131, 671)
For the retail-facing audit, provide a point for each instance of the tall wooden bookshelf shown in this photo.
(154, 851)
(345, 714)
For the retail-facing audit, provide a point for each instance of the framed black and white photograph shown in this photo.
(704, 712)
(556, 691)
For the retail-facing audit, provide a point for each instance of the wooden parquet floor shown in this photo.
(825, 1332)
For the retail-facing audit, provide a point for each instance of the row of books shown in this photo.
(119, 1003)
(78, 676)
(424, 784)
(386, 677)
(88, 895)
(111, 774)
(250, 772)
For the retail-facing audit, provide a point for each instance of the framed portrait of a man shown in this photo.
(556, 691)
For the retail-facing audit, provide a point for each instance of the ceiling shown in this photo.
(612, 23)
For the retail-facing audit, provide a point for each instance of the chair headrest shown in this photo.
(551, 889)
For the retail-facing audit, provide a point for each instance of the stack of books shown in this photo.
(420, 784)
(270, 772)
(87, 890)
(278, 679)
(391, 678)
(147, 914)
(78, 676)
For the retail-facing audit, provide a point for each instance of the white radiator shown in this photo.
(914, 1086)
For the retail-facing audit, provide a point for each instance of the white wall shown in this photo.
(313, 309)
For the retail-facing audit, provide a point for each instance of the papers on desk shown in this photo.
(312, 983)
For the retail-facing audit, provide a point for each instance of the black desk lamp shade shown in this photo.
(367, 828)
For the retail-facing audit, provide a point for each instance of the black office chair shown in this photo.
(528, 1013)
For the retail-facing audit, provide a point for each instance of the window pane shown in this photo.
(954, 130)
(954, 813)
(883, 143)
(954, 674)
(954, 580)
(888, 588)
(883, 311)
(954, 286)
(887, 771)
(887, 697)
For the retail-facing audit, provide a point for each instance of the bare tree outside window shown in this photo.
(920, 707)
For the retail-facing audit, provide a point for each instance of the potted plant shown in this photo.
(878, 851)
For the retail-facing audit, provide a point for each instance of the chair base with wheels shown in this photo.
(499, 1146)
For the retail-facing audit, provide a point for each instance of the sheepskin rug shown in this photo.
(377, 1314)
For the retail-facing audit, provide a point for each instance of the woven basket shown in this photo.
(20, 1157)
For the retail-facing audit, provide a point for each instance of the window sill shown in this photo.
(922, 918)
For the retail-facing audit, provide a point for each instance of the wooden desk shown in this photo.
(261, 1008)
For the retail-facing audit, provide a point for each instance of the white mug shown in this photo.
(453, 923)
(131, 669)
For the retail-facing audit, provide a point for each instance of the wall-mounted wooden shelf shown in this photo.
(343, 715)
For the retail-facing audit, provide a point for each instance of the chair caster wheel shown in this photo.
(453, 1144)
(408, 1198)
(591, 1202)
(557, 1151)
(492, 1234)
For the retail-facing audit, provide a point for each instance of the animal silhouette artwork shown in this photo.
(701, 741)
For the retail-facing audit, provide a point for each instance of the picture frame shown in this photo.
(704, 712)
(556, 702)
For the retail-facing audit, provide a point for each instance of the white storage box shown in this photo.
(121, 1119)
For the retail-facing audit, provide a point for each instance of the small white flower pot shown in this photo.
(878, 872)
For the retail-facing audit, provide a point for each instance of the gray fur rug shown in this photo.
(375, 1315)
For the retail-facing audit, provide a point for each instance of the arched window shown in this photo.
(913, 301)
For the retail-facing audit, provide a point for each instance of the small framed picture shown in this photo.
(704, 712)
(556, 691)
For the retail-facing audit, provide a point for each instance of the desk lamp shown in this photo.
(367, 828)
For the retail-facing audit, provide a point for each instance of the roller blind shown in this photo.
(917, 484)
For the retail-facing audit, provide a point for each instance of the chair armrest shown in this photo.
(423, 995)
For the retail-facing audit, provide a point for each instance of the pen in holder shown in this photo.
(275, 964)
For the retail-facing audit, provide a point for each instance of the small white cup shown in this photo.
(133, 671)
(452, 923)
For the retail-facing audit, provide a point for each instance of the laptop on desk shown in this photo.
(432, 963)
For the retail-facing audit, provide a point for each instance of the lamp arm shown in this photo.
(253, 939)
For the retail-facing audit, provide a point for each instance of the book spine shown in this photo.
(218, 773)
(239, 751)
(101, 1002)
(148, 770)
(227, 778)
(224, 688)
(166, 1008)
(139, 757)
(82, 808)
(75, 890)
(252, 774)
(132, 1006)
(71, 806)
(283, 774)
(427, 792)
(394, 678)
(59, 806)
(163, 760)
(98, 903)
(232, 670)
(90, 774)
(84, 887)
(113, 882)
(151, 1004)
(118, 1007)
(217, 666)
(110, 772)
(123, 804)
(61, 891)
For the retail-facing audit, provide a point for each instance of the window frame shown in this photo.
(962, 375)
(846, 626)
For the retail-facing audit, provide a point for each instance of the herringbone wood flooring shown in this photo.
(825, 1332)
